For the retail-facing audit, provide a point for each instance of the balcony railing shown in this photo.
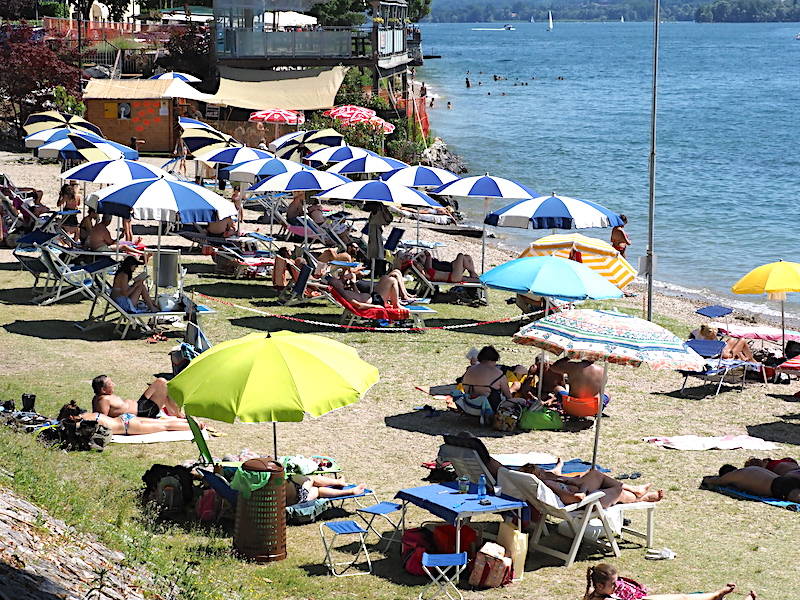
(330, 42)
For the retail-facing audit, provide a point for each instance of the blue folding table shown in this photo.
(445, 501)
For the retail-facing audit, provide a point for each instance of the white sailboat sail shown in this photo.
(549, 21)
(622, 19)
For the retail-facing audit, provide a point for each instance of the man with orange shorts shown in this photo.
(585, 379)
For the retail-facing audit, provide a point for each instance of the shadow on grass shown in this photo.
(195, 268)
(23, 296)
(11, 266)
(699, 392)
(386, 567)
(52, 329)
(777, 431)
(785, 397)
(231, 289)
(442, 422)
(275, 324)
(24, 584)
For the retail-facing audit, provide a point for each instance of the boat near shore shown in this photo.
(503, 28)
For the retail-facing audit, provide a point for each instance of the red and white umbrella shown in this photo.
(375, 121)
(278, 115)
(348, 111)
(384, 125)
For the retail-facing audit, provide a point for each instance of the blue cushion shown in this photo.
(345, 527)
(382, 508)
(444, 560)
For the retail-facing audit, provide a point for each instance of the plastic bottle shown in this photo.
(482, 487)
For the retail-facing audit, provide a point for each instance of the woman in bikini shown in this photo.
(68, 199)
(450, 272)
(125, 424)
(305, 488)
(127, 291)
(601, 583)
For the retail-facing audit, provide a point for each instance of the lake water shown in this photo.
(728, 162)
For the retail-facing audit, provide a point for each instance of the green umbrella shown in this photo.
(274, 377)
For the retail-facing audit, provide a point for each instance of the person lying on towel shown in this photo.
(150, 404)
(305, 488)
(585, 379)
(779, 466)
(758, 481)
(126, 423)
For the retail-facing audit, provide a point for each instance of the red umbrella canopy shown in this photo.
(278, 115)
(348, 111)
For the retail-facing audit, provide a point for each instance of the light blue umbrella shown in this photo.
(553, 212)
(420, 176)
(486, 187)
(550, 276)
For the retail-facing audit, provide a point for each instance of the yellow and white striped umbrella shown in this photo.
(598, 255)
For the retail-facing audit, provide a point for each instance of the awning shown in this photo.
(289, 18)
(309, 89)
(140, 89)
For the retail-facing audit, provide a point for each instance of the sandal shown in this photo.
(662, 554)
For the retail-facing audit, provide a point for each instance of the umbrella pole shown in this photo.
(541, 358)
(783, 330)
(157, 266)
(483, 236)
(599, 415)
(275, 440)
(418, 215)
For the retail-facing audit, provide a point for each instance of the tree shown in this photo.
(341, 12)
(16, 9)
(189, 51)
(32, 70)
(418, 9)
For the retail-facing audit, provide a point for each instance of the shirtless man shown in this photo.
(619, 237)
(100, 240)
(305, 488)
(148, 405)
(585, 378)
(758, 481)
(575, 489)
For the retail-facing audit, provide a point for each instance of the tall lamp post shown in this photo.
(650, 257)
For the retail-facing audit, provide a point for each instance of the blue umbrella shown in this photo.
(176, 75)
(550, 276)
(45, 136)
(188, 123)
(379, 191)
(255, 170)
(300, 181)
(367, 164)
(232, 156)
(114, 171)
(65, 147)
(335, 154)
(420, 176)
(553, 212)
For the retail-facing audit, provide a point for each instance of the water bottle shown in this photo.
(482, 487)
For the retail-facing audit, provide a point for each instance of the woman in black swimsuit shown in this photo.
(487, 379)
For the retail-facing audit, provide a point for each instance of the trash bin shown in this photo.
(165, 266)
(260, 529)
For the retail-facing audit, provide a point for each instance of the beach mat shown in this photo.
(575, 467)
(734, 493)
(154, 438)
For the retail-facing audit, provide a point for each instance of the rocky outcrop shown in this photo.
(439, 155)
(41, 558)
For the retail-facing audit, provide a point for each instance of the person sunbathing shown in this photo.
(450, 272)
(127, 291)
(552, 381)
(150, 404)
(126, 423)
(575, 489)
(101, 240)
(224, 227)
(585, 379)
(387, 292)
(602, 583)
(738, 349)
(780, 466)
(758, 481)
(306, 488)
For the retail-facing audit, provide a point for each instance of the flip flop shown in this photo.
(635, 475)
(662, 554)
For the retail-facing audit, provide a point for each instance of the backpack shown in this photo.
(415, 542)
(628, 589)
(544, 418)
(209, 506)
(71, 435)
(169, 488)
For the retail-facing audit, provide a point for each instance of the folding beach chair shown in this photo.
(728, 371)
(344, 528)
(70, 280)
(578, 516)
(30, 256)
(466, 463)
(352, 314)
(393, 239)
(443, 569)
(304, 290)
(426, 287)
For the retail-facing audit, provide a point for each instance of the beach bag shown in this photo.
(492, 568)
(474, 407)
(542, 419)
(444, 539)
(171, 489)
(414, 543)
(507, 416)
(209, 506)
(628, 589)
(515, 543)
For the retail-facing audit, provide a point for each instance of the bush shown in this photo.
(52, 9)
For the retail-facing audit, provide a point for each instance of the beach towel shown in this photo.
(734, 493)
(725, 442)
(574, 467)
(152, 438)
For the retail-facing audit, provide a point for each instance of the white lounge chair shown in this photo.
(578, 516)
(427, 287)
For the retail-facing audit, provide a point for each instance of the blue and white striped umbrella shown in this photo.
(162, 200)
(553, 212)
(285, 138)
(188, 123)
(114, 171)
(256, 170)
(176, 75)
(335, 154)
(420, 176)
(65, 148)
(367, 164)
(486, 186)
(379, 191)
(232, 156)
(45, 136)
(300, 181)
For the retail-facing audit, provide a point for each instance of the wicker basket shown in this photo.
(260, 530)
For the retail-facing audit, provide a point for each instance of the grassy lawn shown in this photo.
(382, 441)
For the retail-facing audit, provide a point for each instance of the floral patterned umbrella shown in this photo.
(278, 115)
(600, 335)
(348, 111)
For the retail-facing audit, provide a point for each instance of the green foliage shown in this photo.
(418, 9)
(66, 102)
(341, 12)
(748, 11)
(189, 51)
(52, 9)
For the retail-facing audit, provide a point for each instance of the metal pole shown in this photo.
(275, 440)
(80, 43)
(483, 235)
(599, 413)
(157, 266)
(652, 170)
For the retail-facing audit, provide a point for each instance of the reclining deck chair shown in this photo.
(351, 313)
(426, 287)
(304, 290)
(69, 280)
(729, 371)
(30, 256)
(528, 487)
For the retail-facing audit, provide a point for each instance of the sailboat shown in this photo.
(549, 21)
(532, 19)
(622, 19)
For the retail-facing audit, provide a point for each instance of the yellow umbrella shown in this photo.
(596, 254)
(773, 279)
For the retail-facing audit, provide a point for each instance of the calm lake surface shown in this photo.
(728, 162)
